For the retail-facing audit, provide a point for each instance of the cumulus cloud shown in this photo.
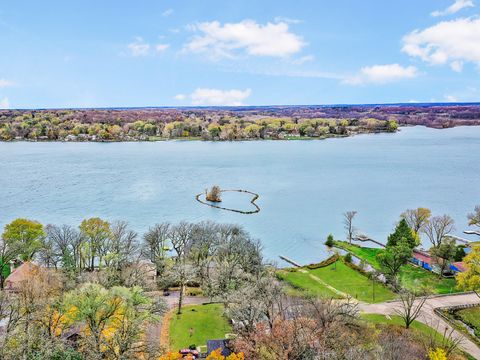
(454, 8)
(139, 47)
(226, 40)
(382, 74)
(5, 83)
(454, 42)
(216, 97)
(4, 103)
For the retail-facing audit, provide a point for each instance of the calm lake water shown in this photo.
(304, 186)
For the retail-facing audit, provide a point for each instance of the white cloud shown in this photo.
(216, 97)
(5, 83)
(302, 60)
(4, 103)
(454, 8)
(161, 47)
(452, 42)
(457, 65)
(271, 39)
(167, 12)
(139, 47)
(382, 74)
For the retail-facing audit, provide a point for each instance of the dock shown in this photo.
(365, 238)
(290, 261)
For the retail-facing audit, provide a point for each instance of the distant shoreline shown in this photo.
(227, 123)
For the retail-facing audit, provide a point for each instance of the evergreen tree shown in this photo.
(402, 232)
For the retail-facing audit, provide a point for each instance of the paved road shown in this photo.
(431, 319)
(172, 300)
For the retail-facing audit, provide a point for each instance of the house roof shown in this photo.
(22, 273)
(422, 256)
(459, 265)
(213, 345)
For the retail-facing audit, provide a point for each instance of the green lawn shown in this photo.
(306, 284)
(411, 277)
(471, 317)
(352, 282)
(207, 322)
(422, 329)
(342, 278)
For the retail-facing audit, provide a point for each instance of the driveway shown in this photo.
(429, 317)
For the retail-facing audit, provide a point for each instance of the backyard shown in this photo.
(411, 277)
(197, 324)
(341, 277)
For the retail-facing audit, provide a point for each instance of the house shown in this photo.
(457, 267)
(20, 274)
(223, 345)
(422, 259)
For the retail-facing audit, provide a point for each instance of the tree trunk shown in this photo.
(180, 298)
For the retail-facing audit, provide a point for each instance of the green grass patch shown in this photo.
(421, 329)
(411, 277)
(303, 284)
(471, 317)
(352, 282)
(207, 321)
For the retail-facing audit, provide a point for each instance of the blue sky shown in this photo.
(113, 53)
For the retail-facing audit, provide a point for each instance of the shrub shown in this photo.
(329, 241)
(324, 263)
(348, 258)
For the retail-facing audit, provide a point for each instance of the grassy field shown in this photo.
(352, 282)
(342, 278)
(207, 322)
(304, 283)
(411, 277)
(471, 317)
(420, 328)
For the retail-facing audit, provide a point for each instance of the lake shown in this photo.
(304, 186)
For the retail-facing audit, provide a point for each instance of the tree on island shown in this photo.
(214, 194)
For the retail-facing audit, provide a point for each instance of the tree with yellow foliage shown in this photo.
(469, 280)
(217, 355)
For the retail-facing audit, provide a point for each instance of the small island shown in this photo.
(214, 195)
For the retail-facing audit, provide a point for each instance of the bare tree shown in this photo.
(157, 239)
(348, 224)
(416, 218)
(410, 307)
(66, 242)
(181, 238)
(437, 228)
(474, 218)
